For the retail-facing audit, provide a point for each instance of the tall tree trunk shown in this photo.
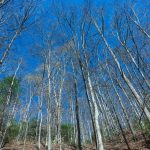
(88, 99)
(59, 109)
(137, 96)
(77, 115)
(122, 106)
(120, 126)
(49, 102)
(96, 116)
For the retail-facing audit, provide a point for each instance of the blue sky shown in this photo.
(25, 42)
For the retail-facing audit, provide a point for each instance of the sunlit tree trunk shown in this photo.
(49, 102)
(133, 60)
(137, 96)
(96, 115)
(122, 106)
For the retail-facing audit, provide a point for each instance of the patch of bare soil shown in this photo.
(140, 143)
(117, 143)
(32, 146)
(20, 146)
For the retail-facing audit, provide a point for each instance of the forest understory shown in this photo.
(142, 142)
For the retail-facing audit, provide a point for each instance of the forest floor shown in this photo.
(117, 143)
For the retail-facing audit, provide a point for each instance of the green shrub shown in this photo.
(66, 131)
(146, 127)
(12, 132)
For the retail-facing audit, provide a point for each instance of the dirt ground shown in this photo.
(116, 143)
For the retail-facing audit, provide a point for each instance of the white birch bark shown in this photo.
(137, 96)
(96, 116)
(49, 102)
(59, 109)
(8, 100)
(40, 120)
(134, 61)
(137, 23)
(121, 104)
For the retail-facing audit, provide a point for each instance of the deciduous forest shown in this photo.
(74, 75)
